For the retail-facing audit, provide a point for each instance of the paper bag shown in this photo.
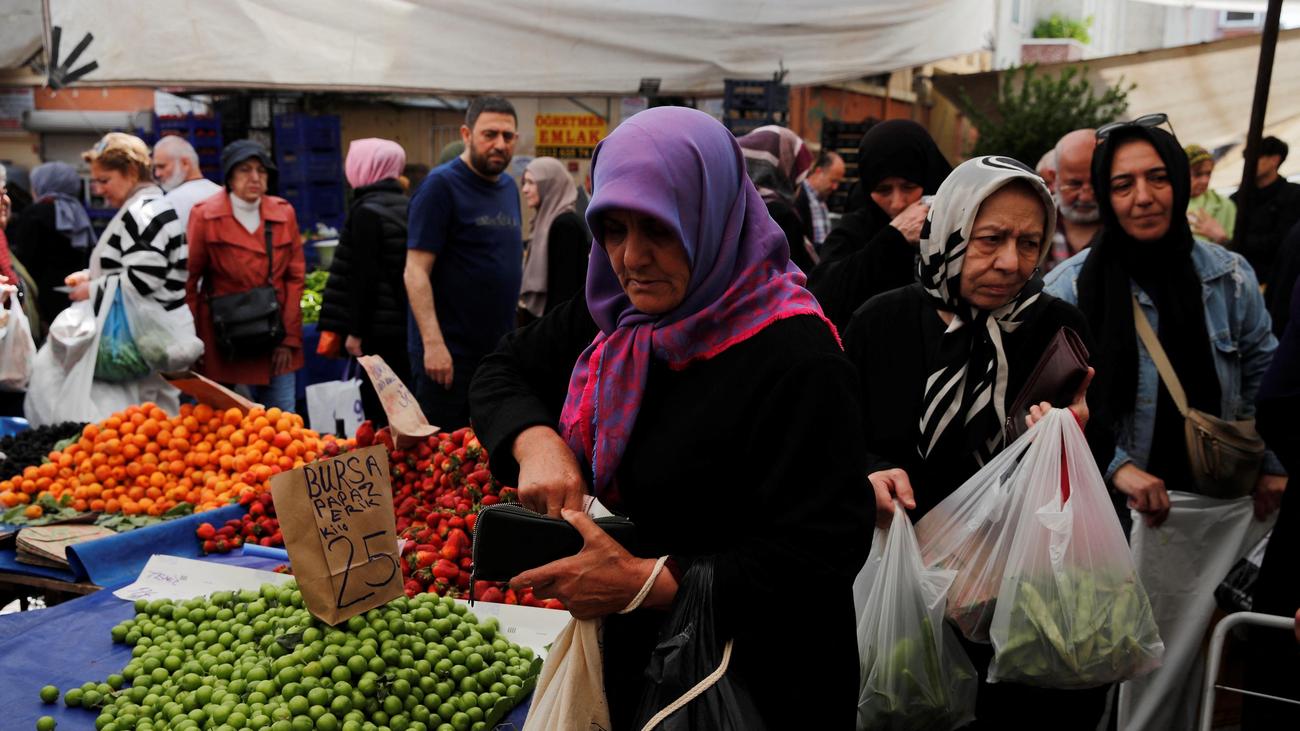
(208, 391)
(404, 415)
(340, 531)
(334, 407)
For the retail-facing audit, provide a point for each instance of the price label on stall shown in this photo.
(339, 529)
(407, 421)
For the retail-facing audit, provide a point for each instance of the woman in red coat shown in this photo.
(228, 241)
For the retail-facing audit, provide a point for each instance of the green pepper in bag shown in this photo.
(119, 359)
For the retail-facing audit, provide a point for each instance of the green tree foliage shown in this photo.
(1061, 26)
(1032, 111)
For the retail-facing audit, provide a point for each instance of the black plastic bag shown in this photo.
(1236, 593)
(689, 651)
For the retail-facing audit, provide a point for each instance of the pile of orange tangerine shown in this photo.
(141, 461)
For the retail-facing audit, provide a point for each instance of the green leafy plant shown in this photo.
(1061, 26)
(1032, 111)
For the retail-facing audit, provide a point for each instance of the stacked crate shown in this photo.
(748, 105)
(843, 138)
(309, 156)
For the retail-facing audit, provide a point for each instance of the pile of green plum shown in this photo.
(257, 659)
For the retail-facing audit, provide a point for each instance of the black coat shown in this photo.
(1273, 211)
(894, 340)
(366, 295)
(755, 457)
(568, 245)
(791, 225)
(47, 254)
(862, 257)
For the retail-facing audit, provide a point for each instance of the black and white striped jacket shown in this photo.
(145, 241)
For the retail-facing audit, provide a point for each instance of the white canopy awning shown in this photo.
(530, 47)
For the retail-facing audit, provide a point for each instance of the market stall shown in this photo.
(197, 485)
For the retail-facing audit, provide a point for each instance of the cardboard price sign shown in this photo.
(340, 531)
(209, 392)
(404, 415)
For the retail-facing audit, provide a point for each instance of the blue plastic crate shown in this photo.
(307, 132)
(310, 166)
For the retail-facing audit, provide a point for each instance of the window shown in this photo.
(1240, 19)
(1015, 12)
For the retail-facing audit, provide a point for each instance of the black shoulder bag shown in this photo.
(249, 323)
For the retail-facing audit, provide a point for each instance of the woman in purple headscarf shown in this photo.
(698, 390)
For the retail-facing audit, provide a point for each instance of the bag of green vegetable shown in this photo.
(119, 359)
(1071, 612)
(914, 673)
(164, 336)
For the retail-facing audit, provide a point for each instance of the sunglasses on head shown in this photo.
(1146, 120)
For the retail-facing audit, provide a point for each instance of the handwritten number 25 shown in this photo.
(370, 557)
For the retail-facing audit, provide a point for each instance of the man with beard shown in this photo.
(1079, 218)
(464, 262)
(176, 168)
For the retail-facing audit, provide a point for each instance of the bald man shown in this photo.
(1079, 218)
(176, 168)
(1046, 169)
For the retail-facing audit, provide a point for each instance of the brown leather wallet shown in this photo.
(1056, 378)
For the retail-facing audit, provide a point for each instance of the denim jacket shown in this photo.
(1240, 331)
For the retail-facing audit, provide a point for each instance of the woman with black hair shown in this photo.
(1204, 304)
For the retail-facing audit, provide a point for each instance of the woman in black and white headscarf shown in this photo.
(941, 360)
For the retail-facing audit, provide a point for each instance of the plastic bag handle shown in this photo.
(694, 692)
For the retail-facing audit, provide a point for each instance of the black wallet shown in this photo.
(510, 539)
(1056, 378)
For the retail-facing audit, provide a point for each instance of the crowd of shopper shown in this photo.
(699, 298)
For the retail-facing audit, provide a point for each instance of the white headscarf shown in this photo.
(558, 194)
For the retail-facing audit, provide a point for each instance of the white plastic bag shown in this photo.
(1072, 612)
(63, 385)
(1180, 562)
(914, 673)
(570, 694)
(64, 371)
(165, 338)
(332, 402)
(17, 348)
(966, 533)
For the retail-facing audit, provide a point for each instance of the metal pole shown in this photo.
(1215, 654)
(1263, 78)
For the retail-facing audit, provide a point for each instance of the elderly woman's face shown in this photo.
(649, 260)
(1004, 247)
(248, 180)
(113, 185)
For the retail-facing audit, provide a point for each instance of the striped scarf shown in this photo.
(968, 388)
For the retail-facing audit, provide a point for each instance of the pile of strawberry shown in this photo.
(259, 526)
(439, 485)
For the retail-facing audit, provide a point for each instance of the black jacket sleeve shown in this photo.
(524, 382)
(1286, 269)
(566, 265)
(854, 268)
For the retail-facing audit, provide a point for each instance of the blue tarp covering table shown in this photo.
(117, 559)
(70, 644)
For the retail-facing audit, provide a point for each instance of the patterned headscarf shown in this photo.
(777, 160)
(970, 380)
(683, 168)
(371, 160)
(557, 194)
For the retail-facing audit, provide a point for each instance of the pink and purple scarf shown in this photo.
(685, 169)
